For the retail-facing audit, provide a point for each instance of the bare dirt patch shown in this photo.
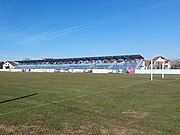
(7, 129)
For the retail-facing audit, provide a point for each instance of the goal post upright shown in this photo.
(151, 70)
(163, 64)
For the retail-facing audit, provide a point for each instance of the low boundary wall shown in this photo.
(137, 71)
(64, 71)
(157, 71)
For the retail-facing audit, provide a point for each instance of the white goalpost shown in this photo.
(163, 67)
(151, 70)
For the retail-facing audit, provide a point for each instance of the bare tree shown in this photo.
(175, 64)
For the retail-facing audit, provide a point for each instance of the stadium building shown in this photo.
(85, 64)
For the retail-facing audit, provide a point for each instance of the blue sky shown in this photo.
(75, 28)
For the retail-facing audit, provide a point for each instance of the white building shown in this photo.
(9, 65)
(158, 62)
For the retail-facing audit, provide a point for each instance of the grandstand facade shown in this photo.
(85, 63)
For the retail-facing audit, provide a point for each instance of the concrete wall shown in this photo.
(42, 70)
(32, 70)
(157, 71)
(11, 70)
(102, 71)
(137, 71)
(76, 70)
(70, 70)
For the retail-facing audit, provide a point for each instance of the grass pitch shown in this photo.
(88, 104)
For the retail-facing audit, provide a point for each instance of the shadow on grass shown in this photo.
(17, 98)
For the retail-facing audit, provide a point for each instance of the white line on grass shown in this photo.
(173, 80)
(165, 80)
(67, 99)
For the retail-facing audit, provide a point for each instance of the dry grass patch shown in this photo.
(67, 129)
(120, 131)
(26, 130)
(135, 114)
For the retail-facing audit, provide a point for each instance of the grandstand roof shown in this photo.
(101, 58)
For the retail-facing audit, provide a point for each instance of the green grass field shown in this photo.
(89, 104)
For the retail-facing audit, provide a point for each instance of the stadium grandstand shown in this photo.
(84, 63)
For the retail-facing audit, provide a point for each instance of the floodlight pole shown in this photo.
(151, 70)
(163, 70)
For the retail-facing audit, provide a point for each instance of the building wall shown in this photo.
(7, 65)
(159, 61)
